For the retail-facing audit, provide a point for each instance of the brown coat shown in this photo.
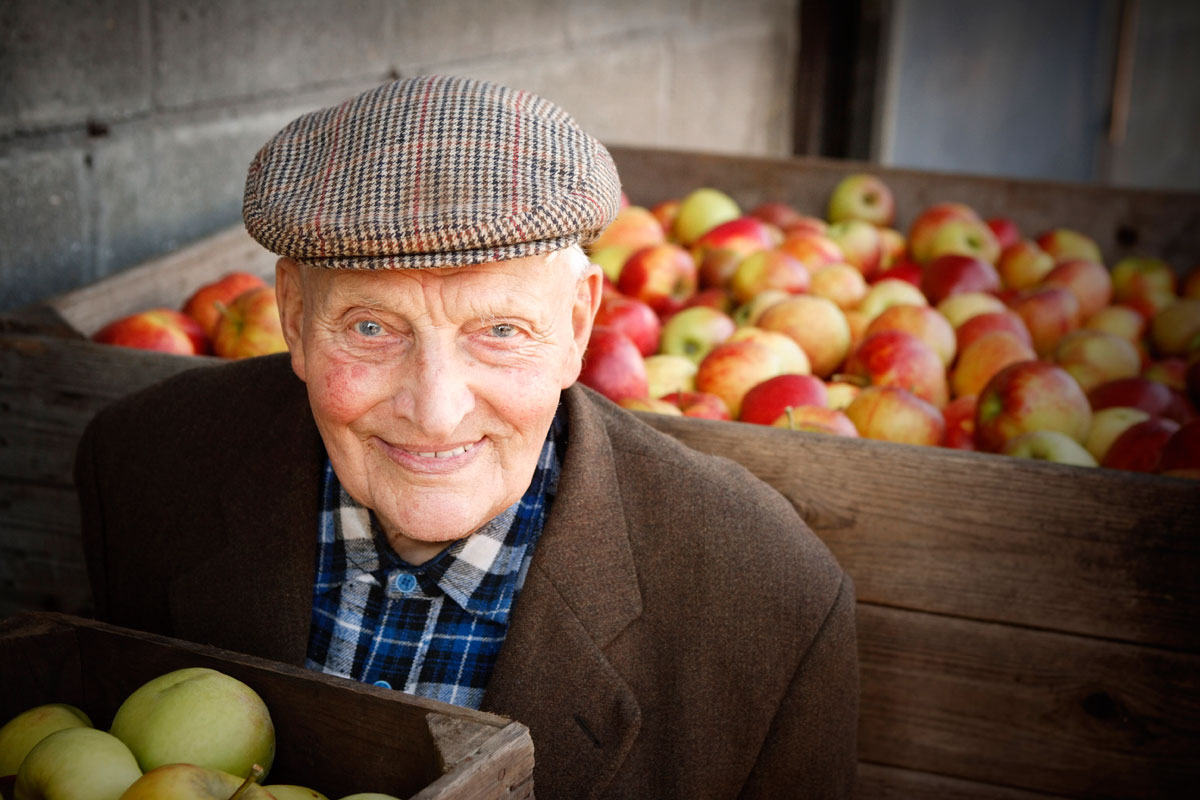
(681, 632)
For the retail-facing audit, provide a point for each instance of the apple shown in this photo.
(858, 322)
(768, 269)
(161, 329)
(1152, 397)
(250, 326)
(1124, 321)
(958, 308)
(840, 283)
(1096, 357)
(926, 224)
(1107, 425)
(897, 358)
(183, 781)
(766, 401)
(984, 357)
(666, 373)
(1139, 447)
(732, 368)
(1064, 243)
(1171, 371)
(1089, 281)
(633, 318)
(805, 224)
(713, 298)
(288, 791)
(860, 243)
(921, 321)
(694, 331)
(661, 276)
(700, 211)
(79, 763)
(369, 796)
(204, 305)
(967, 237)
(1046, 445)
(1023, 265)
(199, 716)
(22, 732)
(954, 273)
(840, 393)
(749, 313)
(741, 235)
(1005, 230)
(610, 259)
(1050, 313)
(1181, 453)
(665, 212)
(814, 323)
(1029, 396)
(779, 214)
(653, 405)
(816, 419)
(1175, 330)
(715, 269)
(959, 416)
(792, 357)
(701, 405)
(887, 293)
(902, 270)
(633, 228)
(893, 414)
(1135, 277)
(814, 250)
(895, 247)
(988, 322)
(1191, 283)
(613, 365)
(863, 197)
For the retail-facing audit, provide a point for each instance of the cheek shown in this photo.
(344, 392)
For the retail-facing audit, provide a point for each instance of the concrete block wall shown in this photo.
(126, 125)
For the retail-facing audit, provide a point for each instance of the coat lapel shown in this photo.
(553, 674)
(254, 593)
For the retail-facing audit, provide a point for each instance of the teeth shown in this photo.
(445, 453)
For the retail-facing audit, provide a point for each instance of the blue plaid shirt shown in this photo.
(433, 630)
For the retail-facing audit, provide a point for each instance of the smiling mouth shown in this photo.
(457, 451)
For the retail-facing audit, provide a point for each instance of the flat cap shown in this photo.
(433, 171)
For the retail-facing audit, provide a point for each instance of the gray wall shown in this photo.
(126, 125)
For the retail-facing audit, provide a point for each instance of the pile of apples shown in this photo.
(190, 734)
(233, 317)
(964, 332)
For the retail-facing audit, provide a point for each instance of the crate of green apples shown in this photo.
(96, 712)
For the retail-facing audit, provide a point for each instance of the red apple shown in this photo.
(1175, 330)
(860, 243)
(768, 269)
(806, 224)
(716, 267)
(694, 331)
(1171, 371)
(1005, 230)
(1154, 398)
(766, 401)
(815, 250)
(921, 321)
(840, 283)
(1050, 313)
(1139, 448)
(742, 235)
(989, 321)
(613, 365)
(633, 228)
(713, 298)
(701, 405)
(817, 325)
(205, 304)
(161, 329)
(983, 358)
(732, 368)
(665, 212)
(959, 415)
(1030, 396)
(1089, 281)
(633, 318)
(1023, 265)
(1096, 357)
(863, 197)
(662, 276)
(1136, 277)
(1064, 243)
(897, 358)
(893, 414)
(250, 326)
(902, 270)
(776, 213)
(926, 224)
(815, 419)
(954, 274)
(1107, 425)
(792, 357)
(1181, 453)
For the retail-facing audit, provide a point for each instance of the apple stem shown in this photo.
(256, 775)
(791, 420)
(222, 309)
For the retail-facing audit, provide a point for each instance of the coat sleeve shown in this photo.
(811, 749)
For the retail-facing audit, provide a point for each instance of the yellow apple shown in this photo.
(1108, 424)
(76, 764)
(287, 791)
(1049, 446)
(890, 292)
(191, 782)
(667, 373)
(369, 796)
(22, 732)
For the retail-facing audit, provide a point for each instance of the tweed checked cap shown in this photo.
(433, 171)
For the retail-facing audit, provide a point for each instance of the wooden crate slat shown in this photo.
(1084, 550)
(1028, 709)
(877, 782)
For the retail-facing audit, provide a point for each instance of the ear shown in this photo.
(588, 295)
(289, 295)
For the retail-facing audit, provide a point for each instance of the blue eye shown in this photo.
(368, 328)
(503, 330)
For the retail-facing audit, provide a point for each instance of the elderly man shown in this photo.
(420, 496)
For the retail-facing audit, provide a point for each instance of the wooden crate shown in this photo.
(334, 735)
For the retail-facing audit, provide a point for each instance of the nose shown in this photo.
(439, 392)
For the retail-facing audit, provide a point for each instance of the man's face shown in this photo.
(433, 389)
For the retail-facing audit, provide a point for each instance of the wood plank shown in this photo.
(877, 782)
(1083, 550)
(501, 767)
(1124, 222)
(1032, 710)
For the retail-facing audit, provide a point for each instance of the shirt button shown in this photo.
(404, 582)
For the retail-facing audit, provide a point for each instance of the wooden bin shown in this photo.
(1026, 629)
(334, 735)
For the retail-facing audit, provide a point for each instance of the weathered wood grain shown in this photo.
(876, 782)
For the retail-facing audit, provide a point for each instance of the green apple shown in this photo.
(197, 716)
(702, 210)
(22, 732)
(285, 791)
(77, 764)
(666, 373)
(1047, 445)
(694, 331)
(192, 782)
